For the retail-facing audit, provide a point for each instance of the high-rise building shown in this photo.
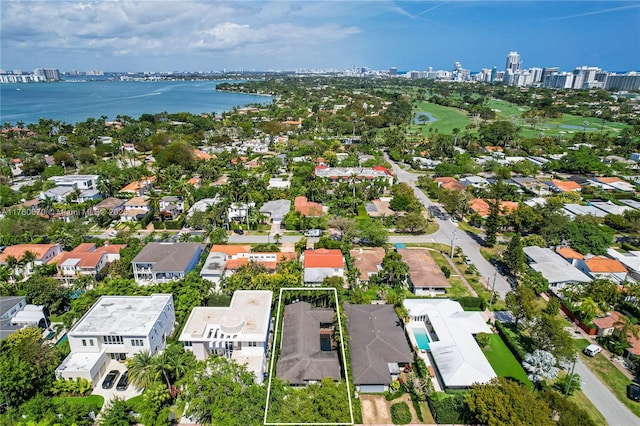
(513, 62)
(547, 71)
(393, 71)
(628, 81)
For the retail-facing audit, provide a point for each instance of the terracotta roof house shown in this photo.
(44, 254)
(449, 183)
(308, 353)
(195, 181)
(612, 184)
(378, 346)
(483, 209)
(230, 258)
(368, 261)
(570, 254)
(163, 262)
(425, 276)
(564, 185)
(320, 264)
(306, 207)
(140, 187)
(606, 325)
(603, 267)
(201, 155)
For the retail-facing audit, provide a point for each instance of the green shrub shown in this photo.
(395, 395)
(483, 339)
(511, 340)
(448, 408)
(471, 302)
(400, 414)
(421, 367)
(446, 271)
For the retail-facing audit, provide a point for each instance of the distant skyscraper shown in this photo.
(513, 62)
(494, 73)
(393, 71)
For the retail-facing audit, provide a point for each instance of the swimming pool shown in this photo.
(422, 338)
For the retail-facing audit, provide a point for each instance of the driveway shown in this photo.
(109, 394)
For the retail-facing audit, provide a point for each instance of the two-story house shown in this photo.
(135, 209)
(86, 259)
(320, 264)
(162, 262)
(116, 328)
(239, 331)
(43, 254)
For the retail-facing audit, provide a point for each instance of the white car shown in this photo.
(592, 350)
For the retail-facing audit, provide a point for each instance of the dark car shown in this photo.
(123, 383)
(633, 392)
(239, 231)
(110, 379)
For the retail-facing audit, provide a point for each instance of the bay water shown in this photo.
(76, 101)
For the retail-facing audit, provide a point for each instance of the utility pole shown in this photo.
(493, 286)
(453, 241)
(566, 391)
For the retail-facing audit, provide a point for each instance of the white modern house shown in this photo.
(116, 328)
(239, 331)
(80, 182)
(447, 333)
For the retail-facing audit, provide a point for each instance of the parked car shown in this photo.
(110, 379)
(633, 392)
(123, 383)
(592, 350)
(238, 231)
(313, 233)
(467, 260)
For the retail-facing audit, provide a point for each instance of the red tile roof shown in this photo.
(19, 250)
(323, 258)
(306, 207)
(449, 183)
(566, 185)
(599, 264)
(569, 253)
(604, 323)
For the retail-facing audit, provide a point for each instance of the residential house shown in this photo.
(630, 259)
(609, 208)
(9, 307)
(308, 208)
(573, 210)
(239, 331)
(203, 205)
(606, 325)
(603, 267)
(532, 185)
(239, 211)
(474, 182)
(114, 206)
(449, 183)
(16, 167)
(554, 268)
(171, 206)
(86, 259)
(57, 194)
(495, 151)
(139, 187)
(612, 184)
(135, 209)
(425, 163)
(450, 331)
(425, 276)
(44, 254)
(368, 262)
(198, 154)
(117, 328)
(279, 183)
(320, 264)
(79, 182)
(378, 346)
(307, 349)
(355, 174)
(570, 255)
(276, 210)
(195, 182)
(162, 262)
(558, 185)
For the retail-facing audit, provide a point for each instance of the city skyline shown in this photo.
(282, 35)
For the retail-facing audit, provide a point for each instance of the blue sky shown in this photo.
(163, 35)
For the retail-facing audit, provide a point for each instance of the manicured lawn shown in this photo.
(86, 400)
(503, 361)
(612, 378)
(447, 119)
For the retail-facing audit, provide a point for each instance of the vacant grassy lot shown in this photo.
(447, 119)
(503, 361)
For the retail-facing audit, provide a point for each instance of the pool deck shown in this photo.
(421, 352)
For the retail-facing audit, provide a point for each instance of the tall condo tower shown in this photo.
(513, 62)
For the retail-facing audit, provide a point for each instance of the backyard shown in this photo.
(503, 361)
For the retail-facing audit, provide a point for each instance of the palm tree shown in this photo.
(625, 327)
(28, 258)
(12, 264)
(143, 369)
(589, 308)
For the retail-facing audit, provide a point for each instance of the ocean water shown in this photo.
(73, 102)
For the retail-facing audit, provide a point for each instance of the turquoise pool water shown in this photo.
(422, 338)
(62, 340)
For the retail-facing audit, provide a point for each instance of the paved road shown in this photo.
(445, 235)
(616, 413)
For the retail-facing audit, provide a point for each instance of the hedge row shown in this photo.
(511, 340)
(447, 408)
(472, 302)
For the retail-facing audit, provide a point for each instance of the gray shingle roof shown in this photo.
(376, 338)
(301, 359)
(168, 257)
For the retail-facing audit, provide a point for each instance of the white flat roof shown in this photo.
(80, 361)
(458, 357)
(250, 311)
(122, 315)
